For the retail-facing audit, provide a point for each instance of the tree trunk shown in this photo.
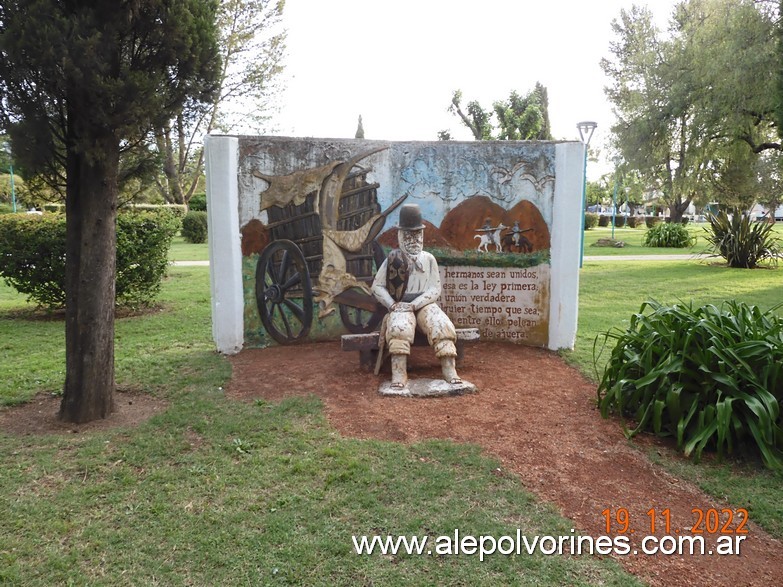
(91, 214)
(677, 208)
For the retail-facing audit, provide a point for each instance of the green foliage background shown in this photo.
(32, 249)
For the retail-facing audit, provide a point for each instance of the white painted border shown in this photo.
(225, 246)
(566, 234)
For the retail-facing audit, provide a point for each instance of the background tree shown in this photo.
(360, 129)
(770, 174)
(683, 101)
(79, 84)
(735, 178)
(597, 192)
(656, 131)
(518, 118)
(252, 45)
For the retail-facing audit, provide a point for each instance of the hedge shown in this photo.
(194, 227)
(32, 256)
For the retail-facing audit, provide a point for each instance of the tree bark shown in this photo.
(91, 214)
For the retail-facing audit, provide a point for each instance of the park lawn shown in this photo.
(611, 291)
(181, 250)
(633, 238)
(214, 491)
(218, 492)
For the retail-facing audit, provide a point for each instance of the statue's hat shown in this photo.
(410, 218)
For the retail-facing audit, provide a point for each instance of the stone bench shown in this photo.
(367, 345)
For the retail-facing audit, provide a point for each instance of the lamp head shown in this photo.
(586, 130)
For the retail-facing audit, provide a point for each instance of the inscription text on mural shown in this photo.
(504, 303)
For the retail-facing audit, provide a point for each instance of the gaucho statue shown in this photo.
(408, 284)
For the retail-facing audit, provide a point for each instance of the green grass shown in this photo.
(611, 291)
(218, 492)
(632, 237)
(184, 251)
(153, 351)
(214, 491)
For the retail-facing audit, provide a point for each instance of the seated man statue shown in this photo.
(408, 284)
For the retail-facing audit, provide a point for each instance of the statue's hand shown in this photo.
(402, 307)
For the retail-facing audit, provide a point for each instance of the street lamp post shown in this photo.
(614, 203)
(586, 130)
(614, 193)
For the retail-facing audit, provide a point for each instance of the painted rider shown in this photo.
(489, 230)
(516, 232)
(408, 285)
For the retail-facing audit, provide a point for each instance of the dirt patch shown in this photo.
(39, 415)
(538, 416)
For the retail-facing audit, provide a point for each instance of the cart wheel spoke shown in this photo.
(284, 320)
(295, 310)
(284, 262)
(270, 273)
(295, 279)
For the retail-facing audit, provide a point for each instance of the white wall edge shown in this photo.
(566, 238)
(225, 248)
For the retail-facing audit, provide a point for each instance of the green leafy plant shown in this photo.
(194, 227)
(198, 202)
(591, 220)
(744, 244)
(32, 256)
(712, 377)
(667, 234)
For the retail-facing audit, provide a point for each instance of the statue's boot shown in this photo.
(449, 368)
(399, 369)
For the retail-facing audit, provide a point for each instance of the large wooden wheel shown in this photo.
(359, 320)
(283, 292)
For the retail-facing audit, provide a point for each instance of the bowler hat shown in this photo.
(410, 217)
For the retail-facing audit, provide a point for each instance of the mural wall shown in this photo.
(317, 216)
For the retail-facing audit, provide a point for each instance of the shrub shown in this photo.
(32, 250)
(143, 242)
(194, 227)
(651, 221)
(668, 235)
(177, 210)
(198, 202)
(619, 220)
(54, 207)
(710, 377)
(591, 220)
(604, 220)
(741, 242)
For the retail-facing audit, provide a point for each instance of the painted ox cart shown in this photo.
(322, 222)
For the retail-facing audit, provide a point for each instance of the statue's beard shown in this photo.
(411, 246)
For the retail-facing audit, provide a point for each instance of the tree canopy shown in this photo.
(686, 99)
(251, 45)
(517, 118)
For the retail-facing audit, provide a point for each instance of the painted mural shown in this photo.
(317, 218)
